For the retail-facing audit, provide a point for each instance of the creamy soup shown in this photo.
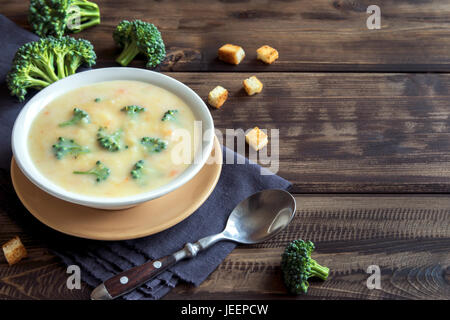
(113, 139)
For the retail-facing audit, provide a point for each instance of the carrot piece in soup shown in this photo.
(173, 173)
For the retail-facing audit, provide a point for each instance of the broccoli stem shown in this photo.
(87, 5)
(72, 67)
(129, 52)
(60, 66)
(39, 73)
(89, 14)
(319, 271)
(48, 69)
(45, 62)
(83, 172)
(37, 84)
(86, 25)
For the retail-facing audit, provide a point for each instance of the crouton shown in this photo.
(217, 96)
(256, 138)
(231, 53)
(252, 85)
(267, 54)
(14, 250)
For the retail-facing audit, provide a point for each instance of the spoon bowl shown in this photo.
(260, 216)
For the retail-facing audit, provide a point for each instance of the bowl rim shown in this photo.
(20, 133)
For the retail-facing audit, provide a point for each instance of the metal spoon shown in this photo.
(255, 219)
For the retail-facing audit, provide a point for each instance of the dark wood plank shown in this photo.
(321, 35)
(348, 132)
(406, 236)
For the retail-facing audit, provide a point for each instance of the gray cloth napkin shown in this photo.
(100, 260)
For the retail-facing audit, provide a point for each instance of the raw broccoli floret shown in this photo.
(55, 17)
(39, 63)
(137, 173)
(111, 142)
(139, 37)
(100, 171)
(169, 115)
(78, 116)
(133, 110)
(153, 144)
(66, 146)
(298, 266)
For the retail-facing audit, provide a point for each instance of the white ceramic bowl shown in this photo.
(44, 97)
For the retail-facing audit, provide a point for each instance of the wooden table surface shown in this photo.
(364, 138)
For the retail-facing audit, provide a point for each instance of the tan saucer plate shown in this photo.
(142, 220)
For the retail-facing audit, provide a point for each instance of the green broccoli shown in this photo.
(153, 144)
(39, 63)
(298, 266)
(139, 37)
(78, 116)
(55, 17)
(133, 110)
(81, 52)
(111, 142)
(137, 173)
(100, 171)
(66, 146)
(169, 115)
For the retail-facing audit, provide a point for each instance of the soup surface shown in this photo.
(124, 139)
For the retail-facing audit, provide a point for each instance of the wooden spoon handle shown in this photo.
(128, 280)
